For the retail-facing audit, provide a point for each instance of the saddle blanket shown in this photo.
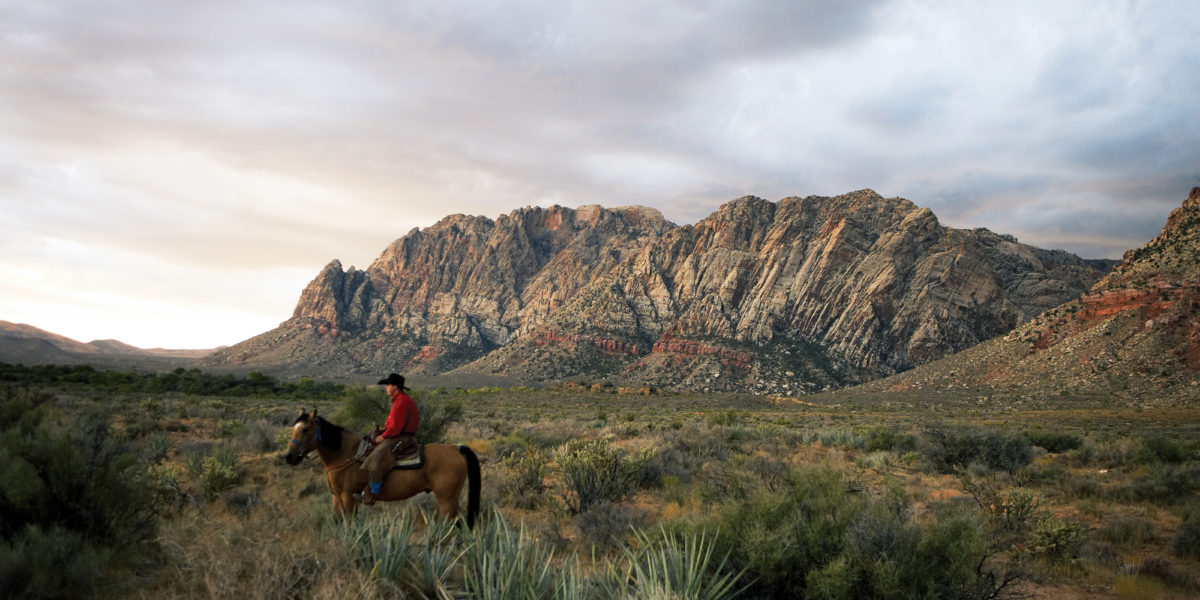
(414, 460)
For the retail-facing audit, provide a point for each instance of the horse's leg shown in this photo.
(447, 504)
(349, 506)
(446, 480)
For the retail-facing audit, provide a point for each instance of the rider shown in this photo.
(399, 430)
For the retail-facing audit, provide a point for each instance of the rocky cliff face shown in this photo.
(802, 294)
(1134, 335)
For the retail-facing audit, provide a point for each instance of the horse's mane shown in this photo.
(328, 433)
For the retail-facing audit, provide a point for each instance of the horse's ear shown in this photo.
(314, 413)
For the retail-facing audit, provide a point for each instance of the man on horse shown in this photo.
(399, 436)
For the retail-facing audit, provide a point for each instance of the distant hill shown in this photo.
(1135, 335)
(780, 297)
(28, 345)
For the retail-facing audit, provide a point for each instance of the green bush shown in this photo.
(1163, 483)
(886, 555)
(1057, 541)
(362, 408)
(436, 416)
(881, 438)
(595, 471)
(1186, 541)
(1055, 442)
(1160, 448)
(1127, 530)
(220, 471)
(778, 537)
(822, 536)
(530, 473)
(606, 525)
(75, 507)
(954, 448)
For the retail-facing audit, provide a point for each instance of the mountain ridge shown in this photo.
(21, 343)
(1134, 336)
(798, 295)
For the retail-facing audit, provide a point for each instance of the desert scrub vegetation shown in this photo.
(77, 510)
(844, 497)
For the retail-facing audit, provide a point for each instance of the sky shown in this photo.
(172, 174)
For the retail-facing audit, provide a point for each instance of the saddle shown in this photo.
(408, 456)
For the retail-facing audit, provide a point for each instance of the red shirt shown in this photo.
(403, 418)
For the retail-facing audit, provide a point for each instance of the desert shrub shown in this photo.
(1163, 483)
(1127, 530)
(1160, 448)
(950, 449)
(260, 436)
(670, 462)
(1139, 587)
(1010, 511)
(881, 438)
(529, 469)
(362, 408)
(726, 418)
(1108, 451)
(887, 555)
(436, 416)
(596, 470)
(778, 537)
(75, 510)
(705, 445)
(1054, 441)
(605, 525)
(1157, 567)
(220, 471)
(156, 447)
(1186, 541)
(1057, 541)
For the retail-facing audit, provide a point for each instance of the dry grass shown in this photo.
(270, 536)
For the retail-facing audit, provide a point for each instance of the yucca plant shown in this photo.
(677, 568)
(509, 565)
(431, 573)
(381, 547)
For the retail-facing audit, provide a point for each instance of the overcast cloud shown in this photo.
(172, 174)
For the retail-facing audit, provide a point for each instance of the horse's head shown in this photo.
(304, 437)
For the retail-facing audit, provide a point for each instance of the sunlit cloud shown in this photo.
(245, 145)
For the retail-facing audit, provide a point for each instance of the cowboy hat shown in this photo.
(394, 379)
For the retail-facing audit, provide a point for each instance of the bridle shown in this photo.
(311, 445)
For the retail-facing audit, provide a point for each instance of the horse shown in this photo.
(446, 467)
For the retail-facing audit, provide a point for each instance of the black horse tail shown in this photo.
(472, 484)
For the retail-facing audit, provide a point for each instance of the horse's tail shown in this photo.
(472, 484)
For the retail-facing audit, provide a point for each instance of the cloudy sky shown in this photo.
(173, 173)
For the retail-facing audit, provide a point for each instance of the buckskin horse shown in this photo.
(445, 469)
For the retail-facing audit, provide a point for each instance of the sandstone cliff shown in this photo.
(1135, 335)
(803, 294)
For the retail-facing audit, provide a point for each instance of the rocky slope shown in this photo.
(802, 294)
(1135, 335)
